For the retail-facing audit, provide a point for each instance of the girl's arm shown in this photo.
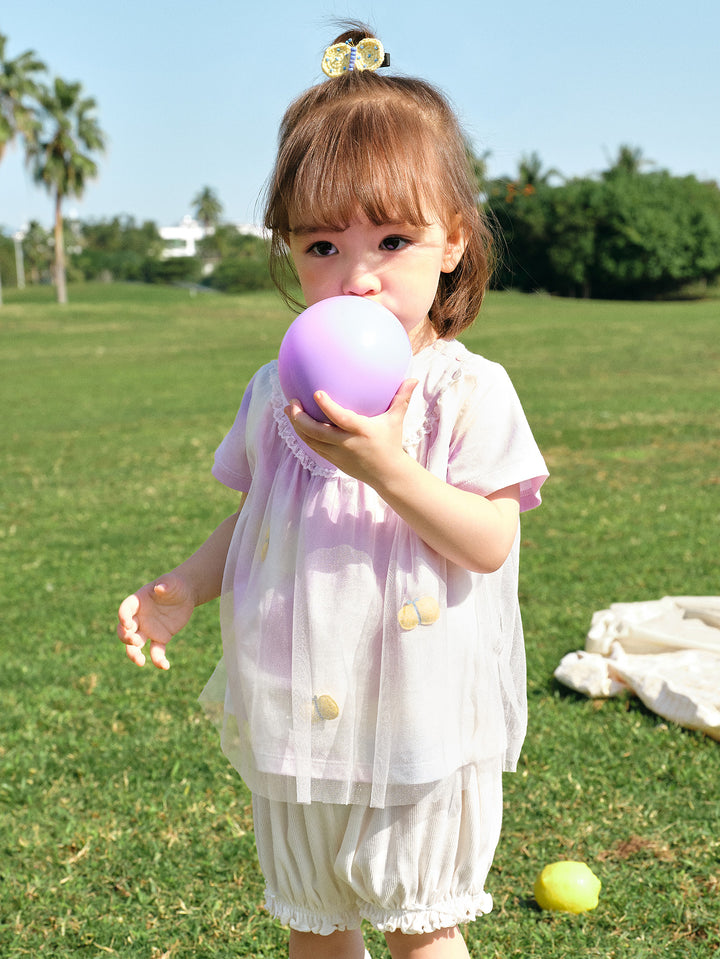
(159, 610)
(473, 531)
(203, 571)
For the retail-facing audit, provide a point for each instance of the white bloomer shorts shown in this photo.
(411, 868)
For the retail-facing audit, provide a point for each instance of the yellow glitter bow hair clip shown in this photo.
(369, 54)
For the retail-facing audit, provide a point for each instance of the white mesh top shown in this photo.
(359, 665)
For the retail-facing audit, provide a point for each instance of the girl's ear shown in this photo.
(455, 243)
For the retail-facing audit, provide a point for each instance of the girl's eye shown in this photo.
(322, 248)
(393, 243)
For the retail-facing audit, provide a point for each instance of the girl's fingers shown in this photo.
(158, 656)
(343, 418)
(310, 428)
(130, 637)
(405, 391)
(135, 655)
(162, 593)
(128, 609)
(349, 421)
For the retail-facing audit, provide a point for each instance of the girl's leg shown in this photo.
(442, 944)
(338, 945)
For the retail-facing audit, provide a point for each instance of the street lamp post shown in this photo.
(19, 259)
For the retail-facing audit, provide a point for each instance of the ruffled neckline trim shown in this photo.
(307, 458)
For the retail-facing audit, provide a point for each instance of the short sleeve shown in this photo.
(492, 445)
(231, 466)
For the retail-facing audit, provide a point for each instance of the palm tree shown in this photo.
(208, 208)
(531, 172)
(629, 162)
(60, 154)
(18, 87)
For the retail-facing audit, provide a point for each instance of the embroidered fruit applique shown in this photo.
(325, 707)
(419, 612)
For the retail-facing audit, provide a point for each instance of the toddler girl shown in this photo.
(372, 683)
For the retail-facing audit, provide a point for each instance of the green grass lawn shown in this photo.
(122, 829)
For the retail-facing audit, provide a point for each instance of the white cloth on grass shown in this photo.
(666, 651)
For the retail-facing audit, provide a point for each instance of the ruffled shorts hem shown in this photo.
(443, 915)
(305, 920)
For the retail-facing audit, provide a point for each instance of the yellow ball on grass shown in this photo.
(567, 886)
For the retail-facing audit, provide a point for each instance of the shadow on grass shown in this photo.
(529, 904)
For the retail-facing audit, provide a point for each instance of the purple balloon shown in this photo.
(354, 349)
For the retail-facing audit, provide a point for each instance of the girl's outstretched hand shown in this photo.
(361, 446)
(154, 614)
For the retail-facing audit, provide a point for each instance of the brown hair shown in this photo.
(388, 147)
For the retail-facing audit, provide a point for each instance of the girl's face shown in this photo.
(396, 264)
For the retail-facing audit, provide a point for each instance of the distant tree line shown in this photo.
(121, 249)
(629, 233)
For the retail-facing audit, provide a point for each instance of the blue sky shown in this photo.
(190, 94)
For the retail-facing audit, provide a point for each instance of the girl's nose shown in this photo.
(360, 280)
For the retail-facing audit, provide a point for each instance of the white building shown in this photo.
(181, 240)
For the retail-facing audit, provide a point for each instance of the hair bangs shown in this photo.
(360, 163)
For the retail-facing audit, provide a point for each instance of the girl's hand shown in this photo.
(154, 614)
(361, 446)
(475, 532)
